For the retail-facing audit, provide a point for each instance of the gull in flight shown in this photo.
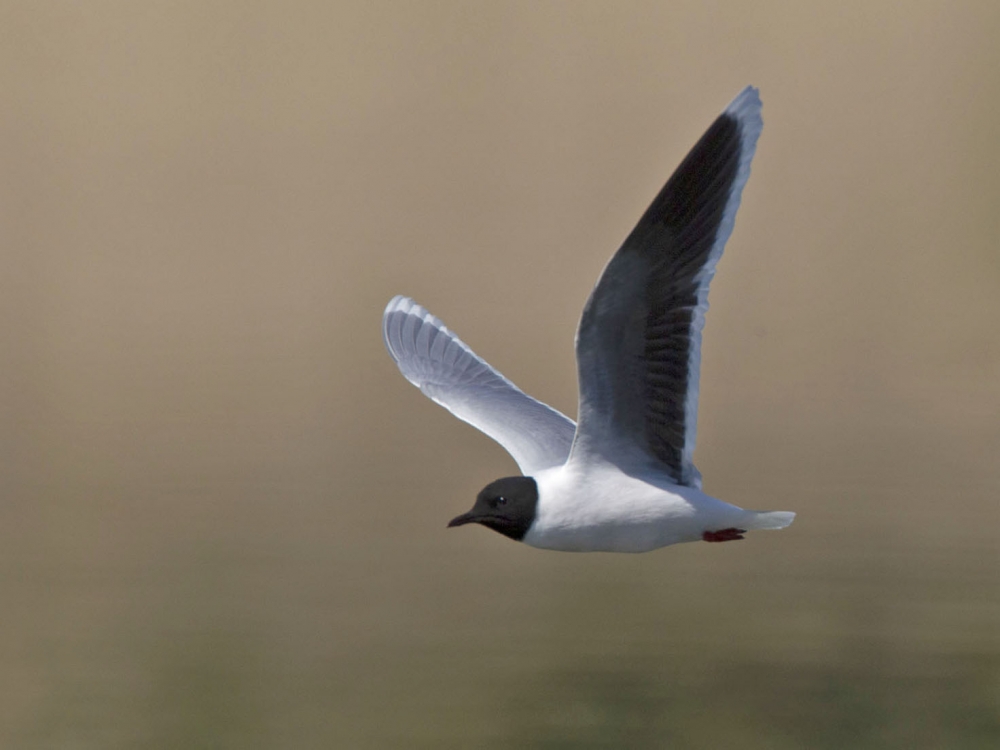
(622, 479)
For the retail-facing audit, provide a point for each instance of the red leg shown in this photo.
(723, 535)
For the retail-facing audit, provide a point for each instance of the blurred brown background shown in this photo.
(222, 509)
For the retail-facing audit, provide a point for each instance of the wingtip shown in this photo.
(748, 95)
(746, 110)
(399, 302)
(402, 321)
(747, 105)
(391, 325)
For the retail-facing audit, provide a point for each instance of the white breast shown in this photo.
(600, 509)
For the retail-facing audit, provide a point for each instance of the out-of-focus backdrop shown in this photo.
(222, 509)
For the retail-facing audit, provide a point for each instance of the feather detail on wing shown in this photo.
(639, 340)
(448, 372)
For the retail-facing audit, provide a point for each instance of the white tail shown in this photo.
(771, 519)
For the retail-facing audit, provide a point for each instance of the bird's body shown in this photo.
(623, 479)
(595, 508)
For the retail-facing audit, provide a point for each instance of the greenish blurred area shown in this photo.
(222, 510)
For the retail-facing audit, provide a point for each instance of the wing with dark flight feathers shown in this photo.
(639, 342)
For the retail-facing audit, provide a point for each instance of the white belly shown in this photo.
(606, 511)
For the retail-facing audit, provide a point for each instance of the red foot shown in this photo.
(723, 535)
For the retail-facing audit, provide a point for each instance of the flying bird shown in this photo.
(622, 479)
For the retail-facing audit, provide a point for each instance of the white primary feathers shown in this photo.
(440, 364)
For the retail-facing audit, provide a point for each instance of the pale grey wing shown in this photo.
(638, 346)
(448, 372)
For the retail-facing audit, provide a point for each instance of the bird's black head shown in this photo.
(506, 506)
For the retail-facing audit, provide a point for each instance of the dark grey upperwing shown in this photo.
(638, 346)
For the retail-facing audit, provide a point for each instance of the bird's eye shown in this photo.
(501, 500)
